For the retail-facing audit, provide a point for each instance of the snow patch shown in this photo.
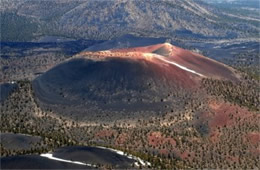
(50, 156)
(138, 162)
(178, 65)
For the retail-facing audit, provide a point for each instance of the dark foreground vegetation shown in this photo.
(242, 93)
(208, 133)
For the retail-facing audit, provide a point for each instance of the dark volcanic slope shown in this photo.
(90, 87)
(5, 90)
(18, 141)
(36, 162)
(92, 155)
(127, 81)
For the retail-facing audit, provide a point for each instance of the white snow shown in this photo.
(138, 160)
(50, 156)
(178, 65)
(137, 163)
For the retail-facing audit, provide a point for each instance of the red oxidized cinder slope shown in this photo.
(187, 60)
(181, 65)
